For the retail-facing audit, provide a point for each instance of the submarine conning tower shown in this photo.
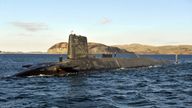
(77, 47)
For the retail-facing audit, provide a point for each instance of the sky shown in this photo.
(36, 25)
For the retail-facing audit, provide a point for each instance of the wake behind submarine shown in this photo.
(78, 60)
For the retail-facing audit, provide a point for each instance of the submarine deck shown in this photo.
(81, 65)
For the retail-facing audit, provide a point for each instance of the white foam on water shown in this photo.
(154, 66)
(40, 75)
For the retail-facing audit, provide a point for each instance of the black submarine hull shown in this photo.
(70, 66)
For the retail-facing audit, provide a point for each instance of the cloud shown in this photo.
(30, 26)
(105, 21)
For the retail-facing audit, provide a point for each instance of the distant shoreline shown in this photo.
(139, 49)
(22, 53)
(66, 54)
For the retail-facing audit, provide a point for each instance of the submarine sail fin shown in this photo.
(77, 47)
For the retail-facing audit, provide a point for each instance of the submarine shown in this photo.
(79, 60)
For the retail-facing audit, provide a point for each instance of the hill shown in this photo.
(148, 49)
(94, 48)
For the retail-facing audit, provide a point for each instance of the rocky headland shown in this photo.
(94, 48)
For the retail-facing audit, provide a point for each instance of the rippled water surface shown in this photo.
(153, 87)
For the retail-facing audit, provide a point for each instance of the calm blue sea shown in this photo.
(152, 87)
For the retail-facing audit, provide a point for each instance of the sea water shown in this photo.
(168, 86)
